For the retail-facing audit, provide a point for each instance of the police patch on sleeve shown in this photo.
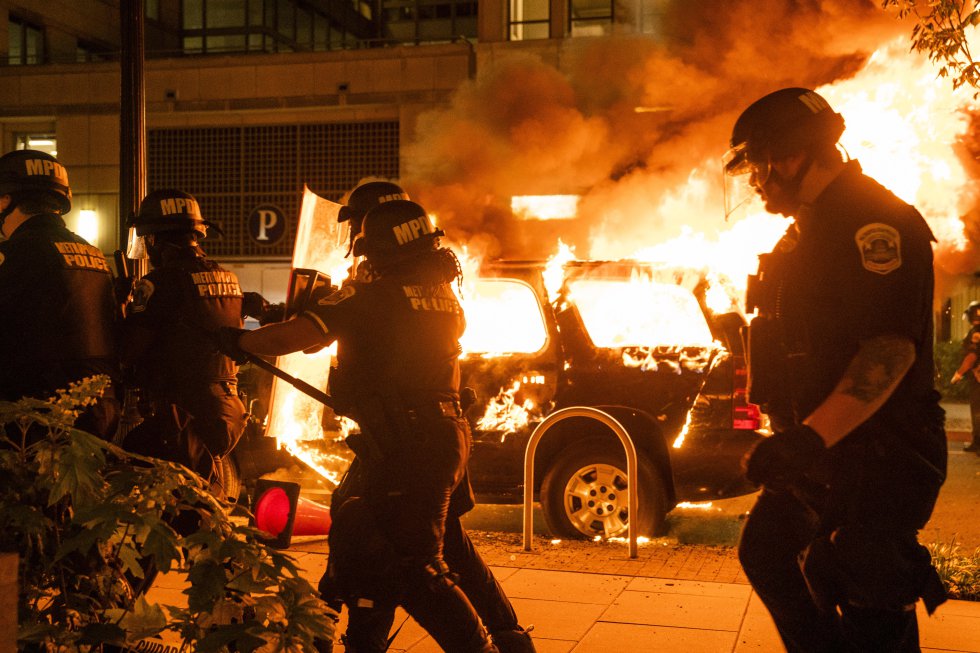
(142, 292)
(975, 337)
(880, 246)
(344, 293)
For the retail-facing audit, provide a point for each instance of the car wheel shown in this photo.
(228, 480)
(584, 493)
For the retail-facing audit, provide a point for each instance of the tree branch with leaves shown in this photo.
(89, 520)
(941, 32)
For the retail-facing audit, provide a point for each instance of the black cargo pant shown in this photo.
(974, 413)
(850, 548)
(406, 497)
(368, 628)
(193, 429)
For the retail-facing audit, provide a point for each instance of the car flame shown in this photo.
(904, 124)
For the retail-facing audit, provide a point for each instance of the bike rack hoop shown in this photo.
(631, 466)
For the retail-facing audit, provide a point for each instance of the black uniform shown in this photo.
(398, 352)
(193, 412)
(856, 264)
(58, 322)
(368, 628)
(971, 345)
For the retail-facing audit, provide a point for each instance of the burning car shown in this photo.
(636, 341)
(657, 347)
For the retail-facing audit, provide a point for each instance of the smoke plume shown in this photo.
(628, 123)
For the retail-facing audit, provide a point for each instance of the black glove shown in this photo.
(253, 305)
(784, 456)
(226, 339)
(273, 313)
(122, 288)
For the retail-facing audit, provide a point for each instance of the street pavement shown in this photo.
(590, 597)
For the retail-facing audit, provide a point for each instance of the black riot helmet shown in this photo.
(782, 123)
(396, 230)
(367, 196)
(972, 311)
(170, 211)
(31, 173)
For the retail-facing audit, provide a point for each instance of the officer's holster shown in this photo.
(857, 567)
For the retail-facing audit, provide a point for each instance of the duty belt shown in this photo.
(159, 402)
(435, 409)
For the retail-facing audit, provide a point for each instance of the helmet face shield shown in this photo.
(743, 175)
(740, 161)
(736, 160)
(136, 247)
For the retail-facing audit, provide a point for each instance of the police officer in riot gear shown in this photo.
(59, 315)
(841, 360)
(398, 347)
(192, 412)
(362, 199)
(364, 624)
(968, 370)
(370, 627)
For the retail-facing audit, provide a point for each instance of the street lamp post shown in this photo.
(132, 122)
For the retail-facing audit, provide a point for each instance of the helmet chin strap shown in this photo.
(793, 184)
(789, 186)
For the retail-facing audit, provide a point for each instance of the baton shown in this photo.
(299, 384)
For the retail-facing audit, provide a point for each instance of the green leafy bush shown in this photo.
(959, 571)
(89, 519)
(949, 355)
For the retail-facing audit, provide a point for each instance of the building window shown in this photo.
(529, 19)
(417, 21)
(221, 26)
(231, 170)
(41, 142)
(651, 16)
(26, 43)
(87, 51)
(591, 17)
(151, 9)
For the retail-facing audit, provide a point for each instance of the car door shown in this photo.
(512, 362)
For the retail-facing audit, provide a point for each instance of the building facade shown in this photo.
(247, 101)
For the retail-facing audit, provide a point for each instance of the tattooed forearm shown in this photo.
(878, 367)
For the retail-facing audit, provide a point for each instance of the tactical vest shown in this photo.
(60, 323)
(202, 297)
(766, 339)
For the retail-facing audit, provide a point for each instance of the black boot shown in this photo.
(513, 641)
(973, 447)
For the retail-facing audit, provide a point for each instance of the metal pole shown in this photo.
(132, 123)
(132, 163)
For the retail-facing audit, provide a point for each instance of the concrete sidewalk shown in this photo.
(587, 611)
(585, 597)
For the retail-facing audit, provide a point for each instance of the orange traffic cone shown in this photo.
(280, 512)
(312, 518)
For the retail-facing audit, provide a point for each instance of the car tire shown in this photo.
(584, 493)
(228, 480)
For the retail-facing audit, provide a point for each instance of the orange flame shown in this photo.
(903, 124)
